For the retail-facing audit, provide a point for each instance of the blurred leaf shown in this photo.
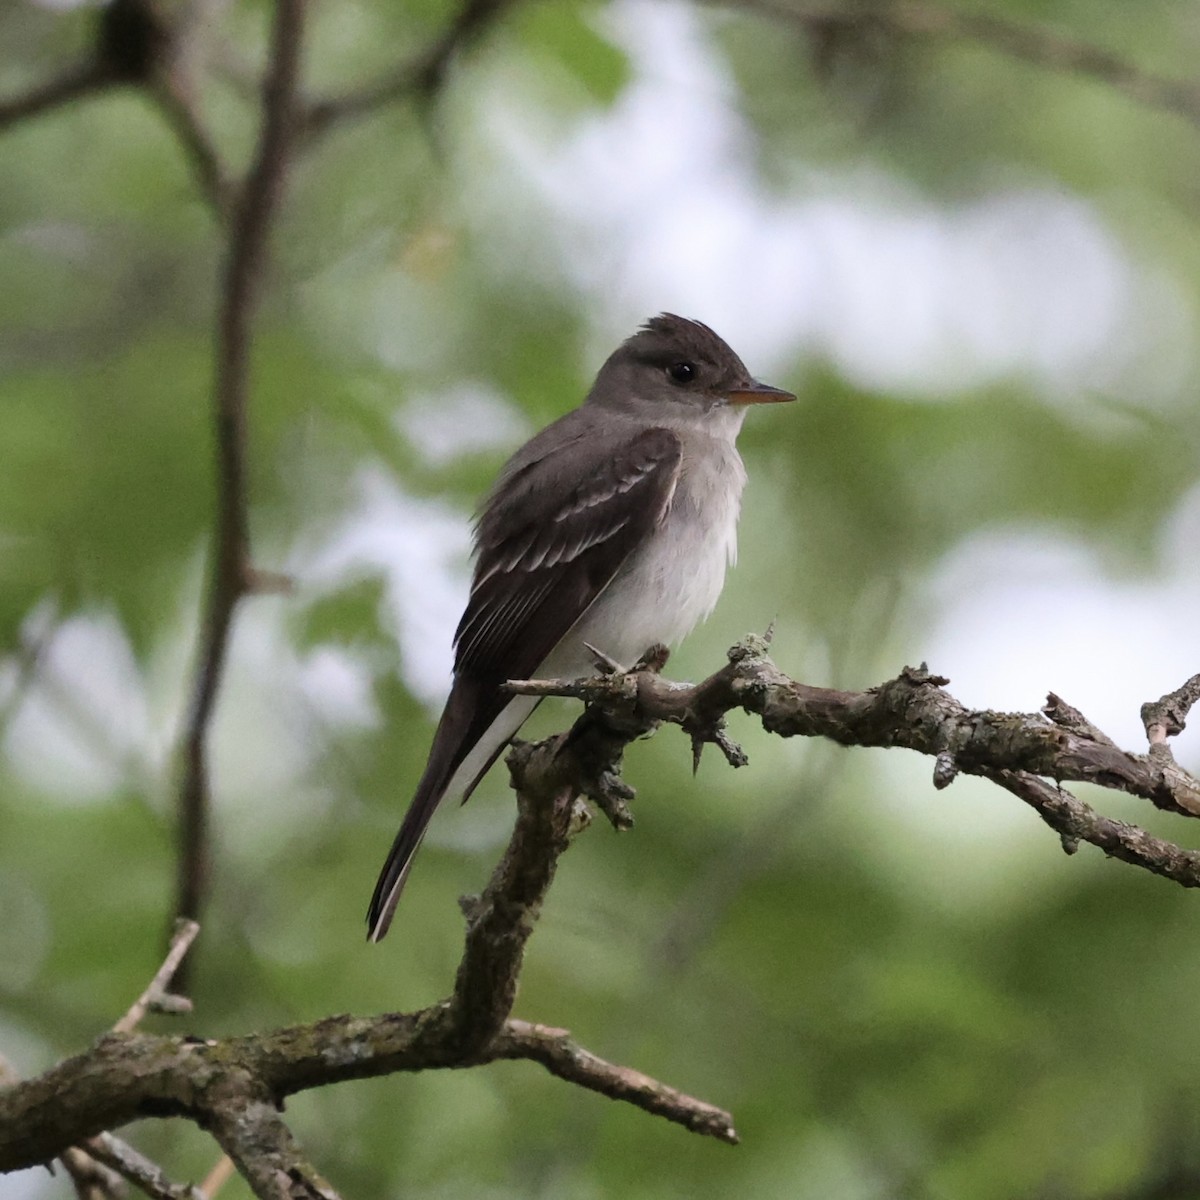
(566, 35)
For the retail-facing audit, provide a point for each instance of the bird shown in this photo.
(611, 528)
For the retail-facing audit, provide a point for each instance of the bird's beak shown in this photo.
(758, 393)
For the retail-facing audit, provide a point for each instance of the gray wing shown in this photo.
(557, 528)
(554, 534)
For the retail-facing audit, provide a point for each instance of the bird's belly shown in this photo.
(661, 593)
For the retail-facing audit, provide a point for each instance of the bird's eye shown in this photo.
(682, 372)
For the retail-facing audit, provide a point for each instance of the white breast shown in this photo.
(673, 582)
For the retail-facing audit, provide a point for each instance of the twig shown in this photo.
(75, 82)
(222, 1171)
(1036, 45)
(253, 214)
(1076, 822)
(128, 1163)
(156, 989)
(173, 96)
(102, 1163)
(557, 1051)
(91, 1179)
(421, 77)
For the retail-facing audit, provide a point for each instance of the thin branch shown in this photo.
(173, 96)
(222, 1171)
(83, 79)
(156, 990)
(421, 77)
(1076, 822)
(128, 1163)
(99, 1166)
(103, 1163)
(228, 583)
(92, 1180)
(1036, 45)
(561, 1055)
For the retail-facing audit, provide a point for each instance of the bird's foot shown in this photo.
(652, 660)
(605, 664)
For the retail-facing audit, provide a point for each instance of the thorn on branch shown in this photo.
(714, 730)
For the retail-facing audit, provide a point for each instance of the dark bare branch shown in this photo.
(174, 98)
(130, 1075)
(83, 79)
(561, 1055)
(1077, 822)
(1036, 45)
(230, 570)
(420, 78)
(130, 1164)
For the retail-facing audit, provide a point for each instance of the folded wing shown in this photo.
(555, 532)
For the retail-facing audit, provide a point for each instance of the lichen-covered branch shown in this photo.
(253, 1134)
(913, 711)
(561, 1055)
(147, 1176)
(234, 1087)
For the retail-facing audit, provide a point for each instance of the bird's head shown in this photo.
(672, 368)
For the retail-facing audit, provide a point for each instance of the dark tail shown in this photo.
(471, 708)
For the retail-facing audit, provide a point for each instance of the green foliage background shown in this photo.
(887, 1012)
